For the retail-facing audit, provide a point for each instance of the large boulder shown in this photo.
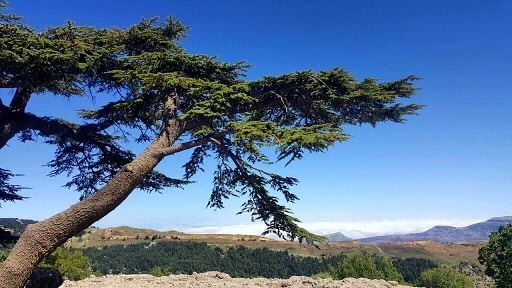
(45, 278)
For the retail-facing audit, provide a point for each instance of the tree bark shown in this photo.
(42, 238)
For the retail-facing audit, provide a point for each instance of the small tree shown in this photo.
(72, 264)
(444, 278)
(158, 272)
(496, 255)
(387, 270)
(172, 101)
(357, 266)
(365, 266)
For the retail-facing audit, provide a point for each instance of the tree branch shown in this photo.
(12, 123)
(263, 104)
(282, 101)
(20, 100)
(191, 144)
(238, 162)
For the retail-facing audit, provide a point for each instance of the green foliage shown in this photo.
(71, 263)
(356, 266)
(444, 278)
(496, 255)
(411, 268)
(8, 192)
(387, 270)
(166, 258)
(365, 266)
(157, 272)
(154, 86)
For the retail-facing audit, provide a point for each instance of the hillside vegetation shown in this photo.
(187, 257)
(445, 253)
(127, 250)
(164, 258)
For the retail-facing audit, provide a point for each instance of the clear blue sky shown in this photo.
(452, 162)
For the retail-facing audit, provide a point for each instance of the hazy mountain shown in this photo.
(337, 237)
(447, 234)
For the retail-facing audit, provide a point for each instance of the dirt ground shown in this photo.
(217, 279)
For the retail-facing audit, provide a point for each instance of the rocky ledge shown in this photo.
(217, 279)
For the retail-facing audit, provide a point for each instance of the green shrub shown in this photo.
(72, 264)
(497, 256)
(444, 278)
(158, 272)
(364, 266)
(356, 266)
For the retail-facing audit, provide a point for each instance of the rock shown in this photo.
(44, 278)
(217, 279)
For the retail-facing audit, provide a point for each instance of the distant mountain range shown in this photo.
(444, 234)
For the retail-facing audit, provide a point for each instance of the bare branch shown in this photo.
(282, 101)
(317, 79)
(184, 146)
(191, 144)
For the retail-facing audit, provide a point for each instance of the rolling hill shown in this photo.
(124, 235)
(444, 234)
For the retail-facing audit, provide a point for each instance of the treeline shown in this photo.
(164, 258)
(189, 257)
(411, 268)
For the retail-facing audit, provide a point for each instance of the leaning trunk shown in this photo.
(42, 238)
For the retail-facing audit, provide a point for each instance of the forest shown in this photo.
(189, 257)
(165, 258)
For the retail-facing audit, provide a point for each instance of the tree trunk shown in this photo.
(42, 238)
